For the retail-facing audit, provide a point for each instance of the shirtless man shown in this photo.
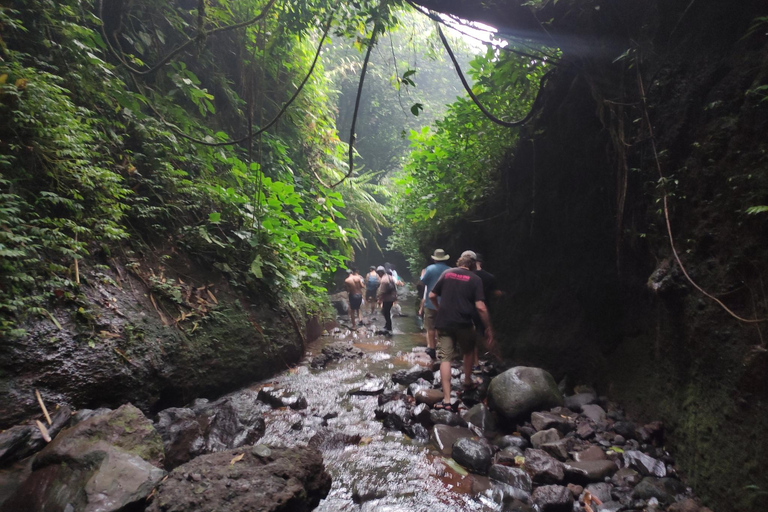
(354, 285)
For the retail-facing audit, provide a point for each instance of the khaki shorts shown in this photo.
(452, 343)
(429, 318)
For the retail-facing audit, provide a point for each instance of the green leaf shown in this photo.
(256, 265)
(214, 217)
(416, 108)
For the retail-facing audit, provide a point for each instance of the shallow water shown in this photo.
(384, 471)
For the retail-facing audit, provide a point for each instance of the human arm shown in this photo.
(482, 310)
(433, 298)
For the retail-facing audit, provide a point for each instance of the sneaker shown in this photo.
(431, 353)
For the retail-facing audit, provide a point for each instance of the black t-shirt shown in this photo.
(458, 289)
(489, 285)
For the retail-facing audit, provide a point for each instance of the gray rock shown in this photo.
(428, 396)
(576, 402)
(84, 414)
(646, 465)
(591, 453)
(277, 397)
(547, 420)
(482, 417)
(515, 477)
(663, 489)
(444, 417)
(208, 427)
(626, 477)
(506, 457)
(594, 413)
(586, 472)
(609, 506)
(290, 479)
(408, 377)
(506, 493)
(421, 413)
(369, 388)
(559, 449)
(443, 437)
(553, 498)
(106, 463)
(395, 414)
(472, 454)
(417, 386)
(543, 468)
(517, 505)
(601, 491)
(585, 431)
(522, 390)
(22, 441)
(544, 436)
(510, 440)
(626, 429)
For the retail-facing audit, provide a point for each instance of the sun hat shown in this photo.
(469, 254)
(380, 268)
(439, 255)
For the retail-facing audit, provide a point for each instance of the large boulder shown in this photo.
(443, 437)
(246, 479)
(521, 390)
(106, 463)
(230, 422)
(543, 468)
(553, 498)
(22, 441)
(474, 455)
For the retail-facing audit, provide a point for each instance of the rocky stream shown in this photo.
(350, 429)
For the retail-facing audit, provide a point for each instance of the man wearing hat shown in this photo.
(429, 278)
(461, 295)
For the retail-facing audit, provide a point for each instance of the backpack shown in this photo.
(390, 285)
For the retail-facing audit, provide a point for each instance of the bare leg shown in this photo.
(476, 359)
(468, 360)
(432, 338)
(445, 380)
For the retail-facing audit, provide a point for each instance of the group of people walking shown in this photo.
(380, 287)
(453, 305)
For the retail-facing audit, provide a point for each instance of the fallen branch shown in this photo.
(42, 406)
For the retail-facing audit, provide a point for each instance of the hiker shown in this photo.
(387, 295)
(354, 285)
(460, 292)
(371, 287)
(429, 278)
(490, 291)
(390, 268)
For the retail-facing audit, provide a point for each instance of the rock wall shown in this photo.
(145, 334)
(579, 242)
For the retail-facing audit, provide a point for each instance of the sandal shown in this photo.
(476, 382)
(442, 406)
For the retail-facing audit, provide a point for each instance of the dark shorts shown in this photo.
(452, 343)
(355, 301)
(429, 318)
(370, 295)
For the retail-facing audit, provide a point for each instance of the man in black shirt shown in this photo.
(490, 291)
(461, 297)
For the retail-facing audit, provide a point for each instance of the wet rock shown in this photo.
(559, 449)
(507, 493)
(553, 498)
(609, 506)
(576, 490)
(11, 477)
(443, 417)
(591, 453)
(22, 441)
(594, 413)
(601, 491)
(522, 390)
(408, 377)
(319, 361)
(208, 427)
(428, 396)
(517, 506)
(262, 451)
(511, 440)
(84, 414)
(290, 479)
(515, 477)
(544, 436)
(626, 477)
(416, 431)
(472, 454)
(106, 463)
(687, 505)
(418, 386)
(626, 429)
(388, 396)
(277, 397)
(644, 464)
(589, 471)
(652, 433)
(619, 440)
(506, 457)
(527, 431)
(543, 468)
(395, 414)
(576, 402)
(369, 388)
(364, 490)
(585, 431)
(421, 413)
(547, 420)
(481, 417)
(663, 489)
(443, 437)
(341, 350)
(327, 439)
(480, 484)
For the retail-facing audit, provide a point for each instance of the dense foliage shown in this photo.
(453, 167)
(103, 151)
